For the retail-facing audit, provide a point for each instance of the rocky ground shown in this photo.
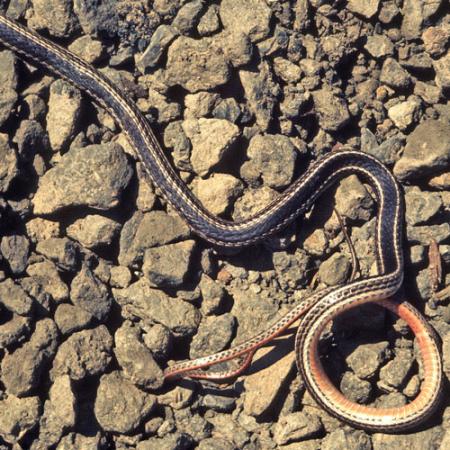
(101, 283)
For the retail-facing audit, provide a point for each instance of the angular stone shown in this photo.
(87, 48)
(14, 331)
(332, 109)
(352, 199)
(8, 85)
(158, 340)
(71, 318)
(296, 427)
(415, 14)
(441, 66)
(15, 249)
(120, 407)
(8, 161)
(355, 389)
(61, 251)
(334, 270)
(14, 298)
(253, 201)
(379, 46)
(344, 439)
(39, 229)
(366, 359)
(31, 139)
(55, 16)
(97, 18)
(47, 275)
(394, 373)
(84, 354)
(209, 23)
(92, 176)
(160, 40)
(393, 75)
(365, 8)
(421, 206)
(427, 439)
(286, 70)
(171, 441)
(213, 295)
(187, 16)
(405, 114)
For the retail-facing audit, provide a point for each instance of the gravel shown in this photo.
(102, 284)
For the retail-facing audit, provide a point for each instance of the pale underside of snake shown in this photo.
(322, 306)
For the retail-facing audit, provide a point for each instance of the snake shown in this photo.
(323, 306)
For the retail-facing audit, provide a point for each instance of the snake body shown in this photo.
(323, 306)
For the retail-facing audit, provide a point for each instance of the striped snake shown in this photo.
(322, 306)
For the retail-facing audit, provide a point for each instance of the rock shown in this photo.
(120, 407)
(379, 46)
(435, 40)
(331, 109)
(427, 150)
(334, 270)
(71, 318)
(90, 294)
(8, 160)
(55, 16)
(31, 139)
(345, 439)
(352, 199)
(39, 229)
(210, 139)
(421, 206)
(84, 354)
(429, 439)
(388, 12)
(23, 368)
(8, 86)
(196, 64)
(18, 416)
(286, 70)
(14, 298)
(427, 92)
(92, 176)
(199, 105)
(120, 276)
(59, 412)
(218, 403)
(187, 16)
(228, 109)
(158, 106)
(405, 114)
(218, 192)
(316, 243)
(366, 359)
(168, 265)
(215, 444)
(87, 48)
(209, 23)
(272, 159)
(213, 295)
(213, 335)
(423, 234)
(291, 269)
(415, 14)
(446, 354)
(15, 249)
(135, 358)
(61, 251)
(46, 273)
(251, 18)
(158, 340)
(97, 18)
(364, 8)
(393, 75)
(64, 108)
(355, 389)
(93, 230)
(261, 92)
(178, 441)
(394, 373)
(442, 71)
(296, 427)
(149, 230)
(237, 47)
(73, 440)
(154, 306)
(13, 331)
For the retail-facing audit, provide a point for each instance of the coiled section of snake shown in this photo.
(297, 199)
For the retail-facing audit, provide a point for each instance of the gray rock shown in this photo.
(14, 331)
(405, 114)
(261, 92)
(154, 306)
(211, 139)
(379, 46)
(237, 47)
(251, 18)
(272, 159)
(316, 243)
(421, 206)
(172, 441)
(334, 270)
(352, 199)
(61, 251)
(286, 70)
(197, 105)
(135, 358)
(55, 16)
(423, 234)
(442, 71)
(228, 109)
(365, 8)
(446, 354)
(92, 176)
(393, 75)
(388, 12)
(64, 108)
(84, 354)
(90, 294)
(14, 298)
(93, 230)
(59, 412)
(355, 389)
(332, 109)
(219, 403)
(394, 373)
(71, 318)
(252, 201)
(429, 439)
(366, 359)
(168, 265)
(215, 444)
(149, 230)
(158, 340)
(209, 23)
(427, 92)
(296, 427)
(213, 295)
(97, 18)
(15, 249)
(213, 335)
(87, 48)
(120, 407)
(39, 229)
(46, 274)
(218, 192)
(120, 276)
(36, 106)
(187, 16)
(415, 14)
(427, 150)
(391, 400)
(18, 416)
(157, 105)
(8, 162)
(30, 139)
(22, 369)
(8, 85)
(196, 64)
(291, 269)
(346, 439)
(435, 40)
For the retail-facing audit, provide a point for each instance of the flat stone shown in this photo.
(405, 114)
(39, 229)
(272, 159)
(251, 17)
(14, 298)
(199, 105)
(93, 230)
(139, 300)
(83, 354)
(92, 176)
(379, 46)
(427, 150)
(61, 251)
(366, 359)
(14, 331)
(120, 407)
(218, 192)
(345, 439)
(87, 48)
(334, 270)
(332, 109)
(429, 439)
(421, 206)
(15, 249)
(8, 162)
(442, 71)
(47, 274)
(71, 318)
(196, 64)
(296, 427)
(415, 14)
(23, 368)
(435, 40)
(187, 16)
(209, 23)
(213, 335)
(393, 75)
(286, 70)
(149, 230)
(210, 139)
(427, 92)
(364, 8)
(8, 85)
(55, 16)
(168, 265)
